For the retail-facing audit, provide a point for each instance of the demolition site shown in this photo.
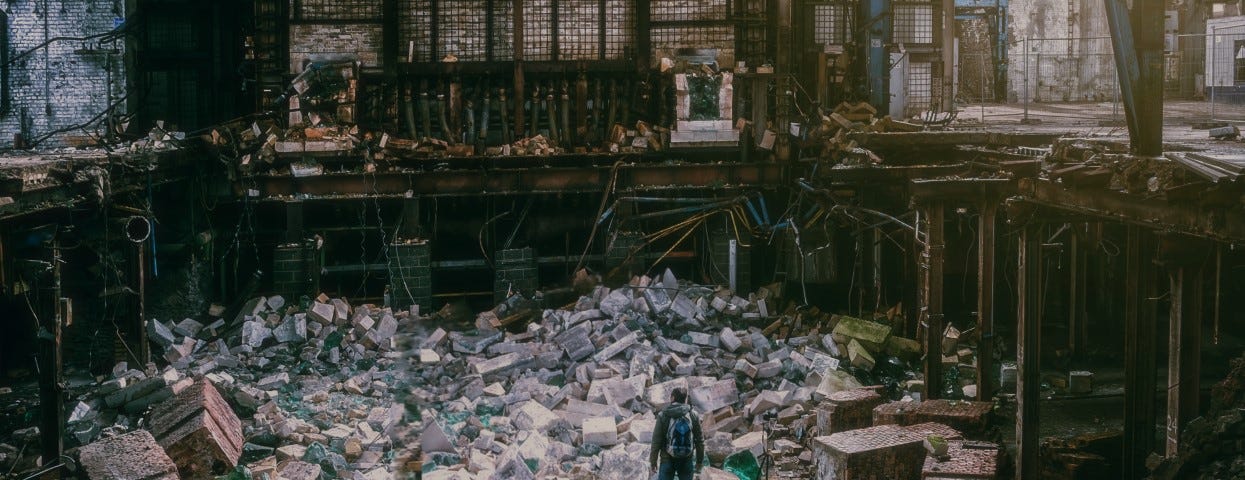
(622, 239)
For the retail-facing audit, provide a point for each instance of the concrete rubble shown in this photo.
(327, 389)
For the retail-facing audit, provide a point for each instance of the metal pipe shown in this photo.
(502, 107)
(551, 112)
(424, 108)
(566, 112)
(596, 108)
(535, 112)
(484, 115)
(408, 113)
(445, 123)
(471, 122)
(613, 106)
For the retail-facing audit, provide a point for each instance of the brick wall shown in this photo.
(317, 42)
(66, 83)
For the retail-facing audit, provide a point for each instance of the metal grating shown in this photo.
(619, 26)
(503, 30)
(340, 10)
(668, 39)
(684, 10)
(914, 23)
(832, 23)
(919, 86)
(537, 31)
(462, 30)
(579, 29)
(416, 29)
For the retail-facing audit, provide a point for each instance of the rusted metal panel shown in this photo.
(934, 256)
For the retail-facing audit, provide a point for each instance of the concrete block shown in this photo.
(601, 431)
(616, 348)
(322, 313)
(871, 335)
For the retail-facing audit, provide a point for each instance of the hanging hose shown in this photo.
(535, 112)
(424, 108)
(445, 124)
(408, 113)
(484, 115)
(502, 108)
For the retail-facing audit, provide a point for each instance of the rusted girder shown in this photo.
(529, 180)
(1215, 223)
(1028, 344)
(1139, 352)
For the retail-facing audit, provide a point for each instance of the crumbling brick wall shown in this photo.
(68, 82)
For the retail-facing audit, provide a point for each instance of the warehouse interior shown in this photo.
(876, 239)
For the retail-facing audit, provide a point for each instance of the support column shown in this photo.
(51, 379)
(1139, 354)
(985, 301)
(1028, 343)
(932, 299)
(1185, 350)
(1076, 287)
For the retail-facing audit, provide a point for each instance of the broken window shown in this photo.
(1238, 53)
(914, 23)
(832, 23)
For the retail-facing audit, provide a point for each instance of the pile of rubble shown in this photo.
(1213, 445)
(325, 389)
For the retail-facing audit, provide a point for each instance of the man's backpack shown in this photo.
(679, 436)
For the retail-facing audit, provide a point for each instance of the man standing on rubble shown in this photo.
(676, 437)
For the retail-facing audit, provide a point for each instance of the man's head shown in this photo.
(679, 395)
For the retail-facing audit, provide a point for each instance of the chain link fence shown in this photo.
(1073, 80)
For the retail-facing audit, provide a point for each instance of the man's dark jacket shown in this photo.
(671, 412)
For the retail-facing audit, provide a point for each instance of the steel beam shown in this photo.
(1139, 353)
(934, 256)
(51, 377)
(1184, 351)
(985, 300)
(1137, 40)
(1028, 343)
(529, 180)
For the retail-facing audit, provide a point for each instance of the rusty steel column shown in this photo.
(1139, 353)
(985, 300)
(51, 378)
(1185, 349)
(1028, 343)
(948, 56)
(934, 255)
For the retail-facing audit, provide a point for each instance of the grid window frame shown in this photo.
(913, 23)
(833, 22)
(919, 86)
(332, 10)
